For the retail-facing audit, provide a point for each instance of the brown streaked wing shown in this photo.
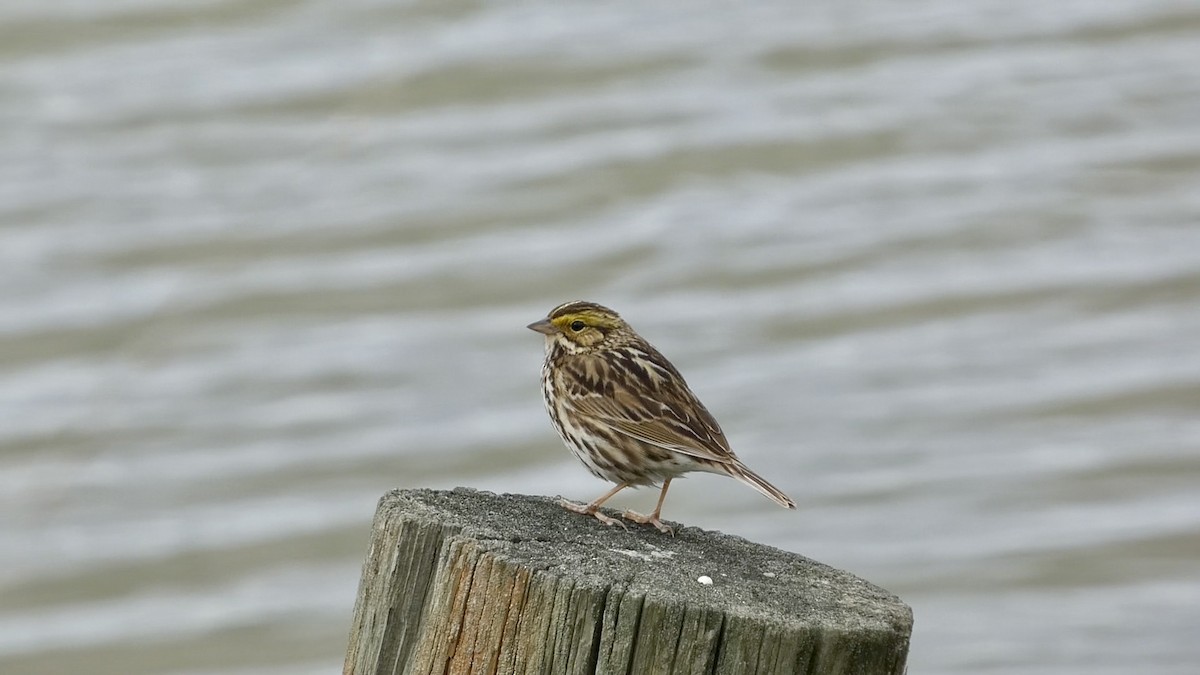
(667, 414)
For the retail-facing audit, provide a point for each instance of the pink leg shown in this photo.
(652, 519)
(593, 509)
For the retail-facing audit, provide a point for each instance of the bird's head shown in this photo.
(580, 326)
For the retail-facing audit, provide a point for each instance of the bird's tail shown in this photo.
(745, 475)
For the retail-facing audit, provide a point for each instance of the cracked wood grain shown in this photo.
(471, 582)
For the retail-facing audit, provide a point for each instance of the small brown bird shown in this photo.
(626, 412)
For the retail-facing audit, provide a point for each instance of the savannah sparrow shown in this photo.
(626, 412)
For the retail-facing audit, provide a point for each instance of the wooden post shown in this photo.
(471, 582)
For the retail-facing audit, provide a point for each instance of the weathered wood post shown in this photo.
(472, 582)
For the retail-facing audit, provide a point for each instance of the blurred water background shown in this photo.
(934, 265)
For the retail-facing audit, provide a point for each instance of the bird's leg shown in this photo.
(652, 519)
(593, 509)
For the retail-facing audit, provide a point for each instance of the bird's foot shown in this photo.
(649, 520)
(590, 510)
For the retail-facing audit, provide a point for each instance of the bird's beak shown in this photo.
(544, 326)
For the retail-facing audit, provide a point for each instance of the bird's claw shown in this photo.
(649, 520)
(588, 510)
(608, 520)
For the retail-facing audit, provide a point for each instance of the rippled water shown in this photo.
(934, 265)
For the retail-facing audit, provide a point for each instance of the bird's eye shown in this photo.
(577, 325)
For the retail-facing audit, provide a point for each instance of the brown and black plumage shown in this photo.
(626, 412)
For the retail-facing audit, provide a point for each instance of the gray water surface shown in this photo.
(934, 265)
